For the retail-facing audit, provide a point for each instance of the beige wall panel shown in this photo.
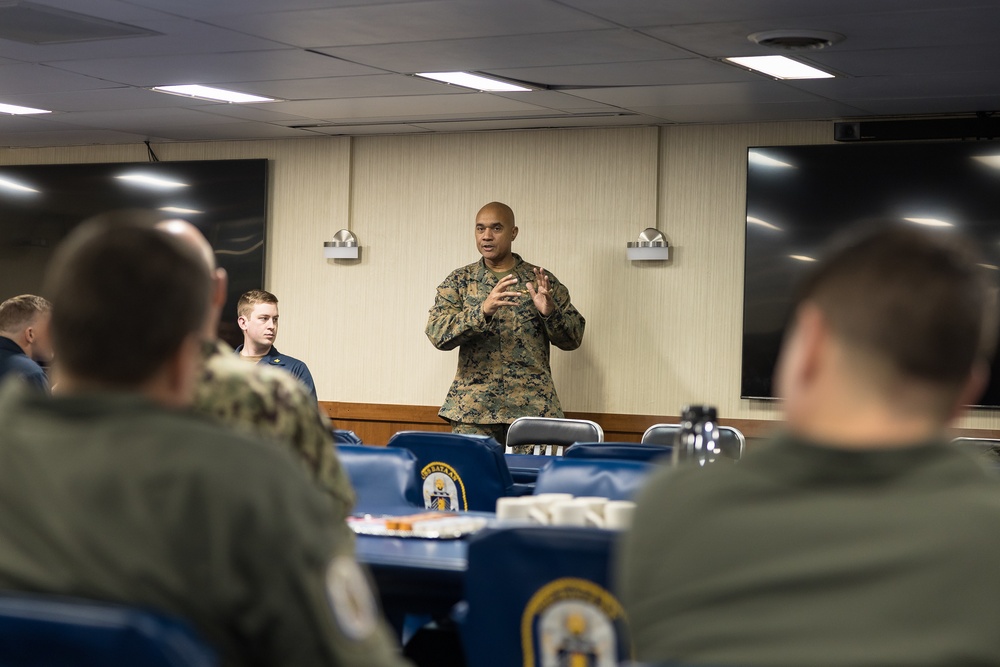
(578, 196)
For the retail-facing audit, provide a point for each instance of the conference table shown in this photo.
(415, 575)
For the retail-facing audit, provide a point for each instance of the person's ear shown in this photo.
(242, 321)
(220, 287)
(973, 388)
(513, 234)
(801, 351)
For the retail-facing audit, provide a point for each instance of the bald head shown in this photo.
(497, 211)
(190, 236)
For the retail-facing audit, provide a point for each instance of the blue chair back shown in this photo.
(385, 479)
(342, 436)
(37, 631)
(458, 472)
(622, 451)
(540, 595)
(617, 480)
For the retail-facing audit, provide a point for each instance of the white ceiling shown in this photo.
(345, 66)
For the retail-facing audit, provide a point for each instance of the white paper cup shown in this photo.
(514, 509)
(618, 514)
(541, 511)
(569, 513)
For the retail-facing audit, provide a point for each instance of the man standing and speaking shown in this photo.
(502, 313)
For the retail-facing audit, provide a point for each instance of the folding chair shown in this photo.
(731, 440)
(551, 432)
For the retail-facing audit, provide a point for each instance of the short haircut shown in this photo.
(124, 298)
(505, 211)
(917, 299)
(244, 307)
(18, 312)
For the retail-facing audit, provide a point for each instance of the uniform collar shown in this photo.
(486, 275)
(8, 345)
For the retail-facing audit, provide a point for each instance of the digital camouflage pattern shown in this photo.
(272, 404)
(503, 364)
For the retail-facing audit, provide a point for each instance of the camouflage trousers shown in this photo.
(496, 431)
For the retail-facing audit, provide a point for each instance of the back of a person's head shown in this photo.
(917, 300)
(124, 297)
(244, 307)
(19, 312)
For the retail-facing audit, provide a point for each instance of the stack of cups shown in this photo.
(562, 509)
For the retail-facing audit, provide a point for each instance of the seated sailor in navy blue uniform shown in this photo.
(258, 318)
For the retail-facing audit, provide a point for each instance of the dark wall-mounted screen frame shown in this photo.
(225, 199)
(798, 197)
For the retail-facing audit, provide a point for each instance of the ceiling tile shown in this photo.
(379, 85)
(902, 87)
(217, 68)
(635, 13)
(930, 105)
(539, 123)
(23, 79)
(747, 93)
(929, 60)
(886, 30)
(736, 113)
(142, 121)
(71, 137)
(572, 48)
(358, 130)
(218, 8)
(230, 131)
(413, 107)
(107, 99)
(413, 22)
(643, 73)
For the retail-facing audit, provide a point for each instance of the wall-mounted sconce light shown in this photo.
(651, 245)
(343, 246)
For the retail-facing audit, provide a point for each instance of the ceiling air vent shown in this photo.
(31, 23)
(795, 40)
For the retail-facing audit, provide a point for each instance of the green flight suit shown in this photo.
(503, 363)
(811, 556)
(110, 497)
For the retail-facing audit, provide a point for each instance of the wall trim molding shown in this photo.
(375, 423)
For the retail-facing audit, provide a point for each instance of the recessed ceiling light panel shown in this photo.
(780, 67)
(476, 82)
(212, 94)
(15, 110)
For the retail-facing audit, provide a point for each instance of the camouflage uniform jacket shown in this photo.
(503, 364)
(272, 404)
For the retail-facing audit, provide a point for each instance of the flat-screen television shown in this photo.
(225, 199)
(798, 197)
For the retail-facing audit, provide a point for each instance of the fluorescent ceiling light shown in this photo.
(475, 81)
(761, 223)
(803, 258)
(151, 181)
(758, 158)
(178, 209)
(214, 94)
(15, 186)
(930, 222)
(780, 67)
(989, 160)
(15, 110)
(991, 267)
